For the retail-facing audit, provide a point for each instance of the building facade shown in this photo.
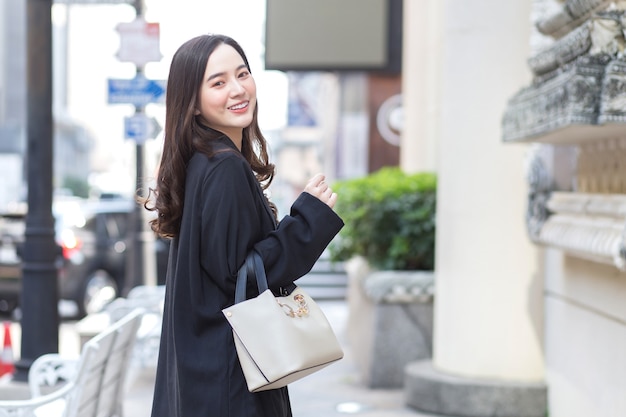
(72, 143)
(522, 103)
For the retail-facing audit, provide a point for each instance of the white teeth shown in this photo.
(238, 106)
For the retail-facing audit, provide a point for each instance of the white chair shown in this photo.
(92, 386)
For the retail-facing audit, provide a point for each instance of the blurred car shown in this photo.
(93, 239)
(11, 236)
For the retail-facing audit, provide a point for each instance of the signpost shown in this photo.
(140, 127)
(139, 44)
(138, 91)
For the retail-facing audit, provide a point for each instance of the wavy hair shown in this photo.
(184, 135)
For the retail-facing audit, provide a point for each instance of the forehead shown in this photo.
(224, 58)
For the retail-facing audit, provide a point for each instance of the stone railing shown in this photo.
(589, 226)
(591, 222)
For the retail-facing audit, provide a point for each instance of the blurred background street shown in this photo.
(477, 148)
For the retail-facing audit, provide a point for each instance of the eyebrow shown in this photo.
(219, 74)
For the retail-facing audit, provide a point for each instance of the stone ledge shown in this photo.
(400, 286)
(401, 333)
(585, 225)
(390, 321)
(429, 390)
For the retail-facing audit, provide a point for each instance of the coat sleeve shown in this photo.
(232, 213)
(292, 249)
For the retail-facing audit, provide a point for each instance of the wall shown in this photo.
(585, 339)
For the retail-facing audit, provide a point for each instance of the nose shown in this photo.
(236, 88)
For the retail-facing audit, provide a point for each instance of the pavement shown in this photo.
(335, 391)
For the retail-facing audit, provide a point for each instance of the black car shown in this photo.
(11, 237)
(93, 239)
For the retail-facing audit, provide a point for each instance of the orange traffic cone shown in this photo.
(6, 359)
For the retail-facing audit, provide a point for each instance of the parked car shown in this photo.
(11, 236)
(93, 239)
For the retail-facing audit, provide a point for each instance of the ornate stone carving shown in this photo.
(573, 78)
(613, 98)
(539, 10)
(567, 96)
(607, 35)
(590, 226)
(540, 185)
(572, 14)
(577, 97)
(570, 47)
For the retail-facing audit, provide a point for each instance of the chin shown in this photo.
(246, 122)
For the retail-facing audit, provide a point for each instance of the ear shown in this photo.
(197, 112)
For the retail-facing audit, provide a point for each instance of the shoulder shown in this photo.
(222, 159)
(225, 167)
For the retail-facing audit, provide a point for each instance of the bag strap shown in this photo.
(251, 268)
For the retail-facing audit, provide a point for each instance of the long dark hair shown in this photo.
(184, 135)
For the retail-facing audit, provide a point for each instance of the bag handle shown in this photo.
(252, 267)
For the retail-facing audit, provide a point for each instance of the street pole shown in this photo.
(39, 296)
(135, 271)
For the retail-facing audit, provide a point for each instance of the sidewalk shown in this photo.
(332, 392)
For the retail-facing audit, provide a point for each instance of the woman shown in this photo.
(209, 199)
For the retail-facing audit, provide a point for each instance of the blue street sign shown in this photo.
(140, 127)
(138, 91)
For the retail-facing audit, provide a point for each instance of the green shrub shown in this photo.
(389, 219)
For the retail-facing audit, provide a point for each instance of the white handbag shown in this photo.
(278, 339)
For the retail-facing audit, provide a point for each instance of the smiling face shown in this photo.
(227, 94)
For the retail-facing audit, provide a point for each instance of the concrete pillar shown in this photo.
(487, 357)
(421, 66)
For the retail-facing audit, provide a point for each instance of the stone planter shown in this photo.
(390, 321)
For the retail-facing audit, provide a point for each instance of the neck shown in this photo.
(235, 135)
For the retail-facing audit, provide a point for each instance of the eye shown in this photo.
(218, 83)
(244, 74)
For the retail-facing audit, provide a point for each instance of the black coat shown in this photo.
(226, 215)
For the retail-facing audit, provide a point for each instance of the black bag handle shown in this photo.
(251, 268)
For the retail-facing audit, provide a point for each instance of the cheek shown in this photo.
(210, 100)
(252, 87)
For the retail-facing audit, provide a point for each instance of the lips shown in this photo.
(239, 106)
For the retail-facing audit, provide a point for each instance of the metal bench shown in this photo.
(148, 298)
(92, 386)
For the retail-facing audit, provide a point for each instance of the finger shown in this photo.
(317, 179)
(332, 200)
(312, 189)
(326, 195)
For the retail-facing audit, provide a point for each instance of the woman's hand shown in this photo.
(317, 187)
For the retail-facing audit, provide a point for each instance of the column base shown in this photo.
(430, 390)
